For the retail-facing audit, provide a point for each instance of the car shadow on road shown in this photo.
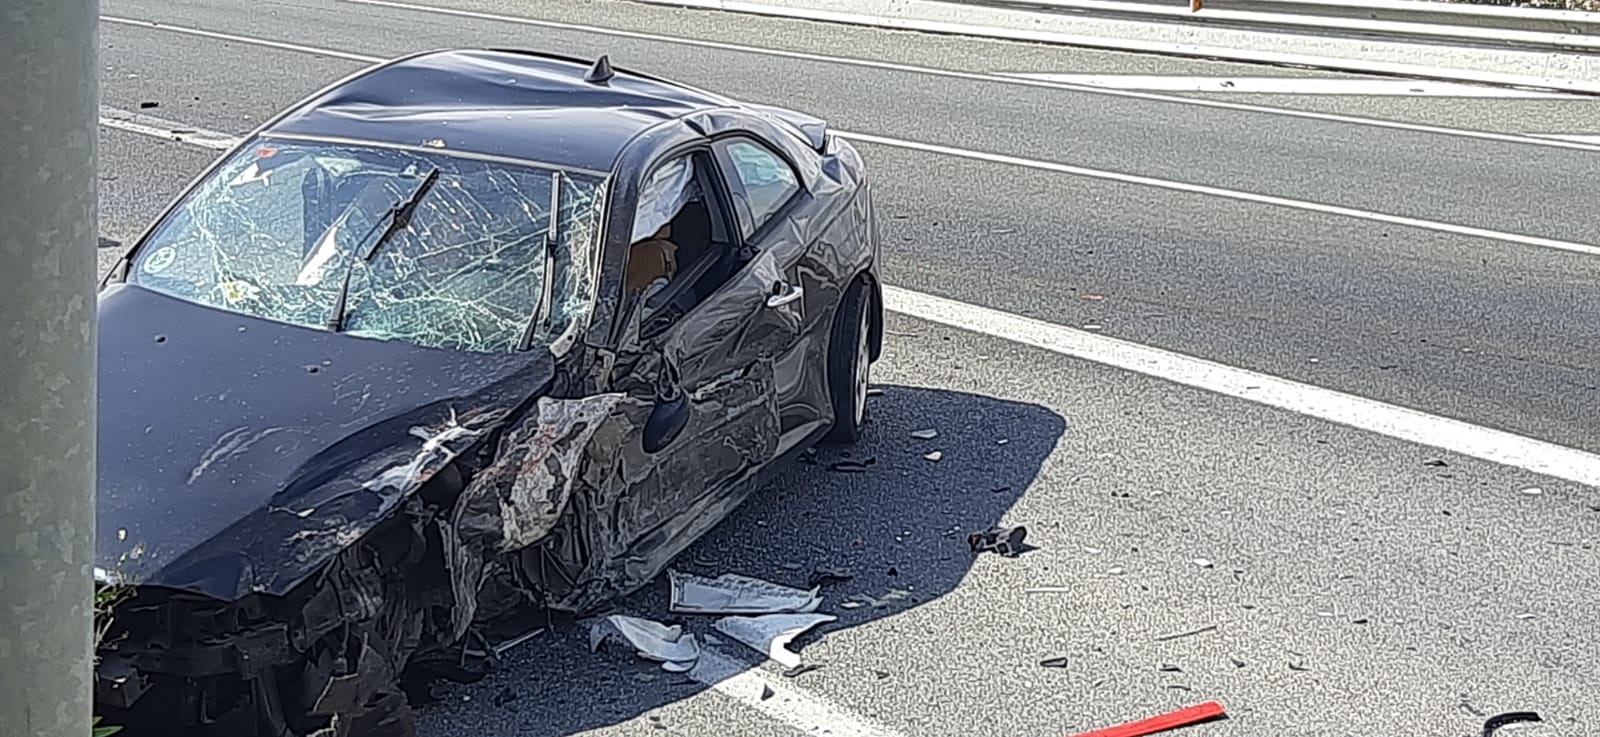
(899, 528)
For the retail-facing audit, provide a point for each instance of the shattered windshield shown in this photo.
(281, 228)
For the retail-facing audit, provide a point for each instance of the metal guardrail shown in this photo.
(1412, 20)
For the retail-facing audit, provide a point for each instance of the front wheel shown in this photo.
(849, 365)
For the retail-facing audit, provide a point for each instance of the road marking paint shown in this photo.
(984, 77)
(159, 128)
(1252, 197)
(1375, 86)
(759, 690)
(251, 40)
(1350, 212)
(1590, 138)
(1354, 411)
(1361, 413)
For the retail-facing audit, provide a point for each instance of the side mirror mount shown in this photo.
(670, 415)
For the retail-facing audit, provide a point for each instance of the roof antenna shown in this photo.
(601, 72)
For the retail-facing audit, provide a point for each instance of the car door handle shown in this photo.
(783, 298)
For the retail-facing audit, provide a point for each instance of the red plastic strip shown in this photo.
(1180, 718)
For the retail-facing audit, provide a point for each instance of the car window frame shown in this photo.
(710, 175)
(729, 171)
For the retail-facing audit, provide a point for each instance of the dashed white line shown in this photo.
(1350, 212)
(1393, 421)
(909, 68)
(1356, 86)
(160, 128)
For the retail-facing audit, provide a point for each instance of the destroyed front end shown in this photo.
(306, 524)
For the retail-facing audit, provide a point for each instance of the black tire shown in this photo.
(849, 366)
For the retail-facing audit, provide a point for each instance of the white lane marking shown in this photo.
(759, 690)
(1376, 86)
(251, 40)
(987, 77)
(1354, 411)
(160, 128)
(1591, 138)
(1350, 212)
(1361, 413)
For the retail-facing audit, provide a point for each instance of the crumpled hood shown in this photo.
(237, 454)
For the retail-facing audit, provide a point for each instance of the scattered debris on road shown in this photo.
(823, 575)
(1190, 633)
(1048, 590)
(731, 593)
(1184, 717)
(1007, 541)
(771, 634)
(850, 465)
(1511, 717)
(1056, 662)
(928, 434)
(676, 650)
(935, 456)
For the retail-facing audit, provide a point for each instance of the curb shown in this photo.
(1543, 70)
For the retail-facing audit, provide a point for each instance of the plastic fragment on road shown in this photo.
(1494, 723)
(1172, 720)
(731, 593)
(771, 634)
(928, 434)
(674, 649)
(1007, 541)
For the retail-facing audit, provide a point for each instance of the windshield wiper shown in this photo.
(398, 217)
(552, 236)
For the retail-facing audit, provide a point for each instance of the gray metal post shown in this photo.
(49, 102)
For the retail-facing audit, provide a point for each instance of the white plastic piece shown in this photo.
(771, 634)
(731, 593)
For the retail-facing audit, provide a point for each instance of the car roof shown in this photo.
(517, 104)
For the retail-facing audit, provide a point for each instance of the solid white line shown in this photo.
(251, 40)
(1296, 86)
(775, 698)
(985, 77)
(1350, 212)
(1592, 138)
(1361, 413)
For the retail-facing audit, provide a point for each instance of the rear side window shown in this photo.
(762, 182)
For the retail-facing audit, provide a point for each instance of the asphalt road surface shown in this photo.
(1401, 572)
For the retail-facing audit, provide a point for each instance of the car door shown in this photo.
(766, 193)
(721, 353)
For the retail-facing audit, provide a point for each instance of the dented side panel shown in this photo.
(518, 499)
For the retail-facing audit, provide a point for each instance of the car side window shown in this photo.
(762, 182)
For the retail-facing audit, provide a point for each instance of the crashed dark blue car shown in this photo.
(467, 335)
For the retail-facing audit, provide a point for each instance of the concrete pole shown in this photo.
(49, 102)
